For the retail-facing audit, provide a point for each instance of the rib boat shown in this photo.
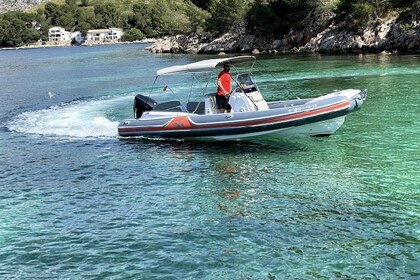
(251, 115)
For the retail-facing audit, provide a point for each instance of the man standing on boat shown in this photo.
(224, 88)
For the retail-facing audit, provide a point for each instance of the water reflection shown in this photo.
(232, 176)
(234, 188)
(225, 147)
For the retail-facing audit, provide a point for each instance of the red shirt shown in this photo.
(225, 80)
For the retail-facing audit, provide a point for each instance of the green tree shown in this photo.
(85, 19)
(30, 35)
(84, 3)
(203, 4)
(11, 30)
(106, 15)
(197, 17)
(169, 19)
(227, 15)
(83, 27)
(410, 10)
(16, 29)
(40, 16)
(123, 20)
(355, 15)
(142, 19)
(403, 3)
(53, 12)
(66, 21)
(132, 35)
(263, 20)
(276, 16)
(44, 31)
(71, 3)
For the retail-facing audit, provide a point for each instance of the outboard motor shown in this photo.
(142, 104)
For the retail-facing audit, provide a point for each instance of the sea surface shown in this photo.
(78, 202)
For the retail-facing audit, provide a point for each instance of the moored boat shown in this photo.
(251, 115)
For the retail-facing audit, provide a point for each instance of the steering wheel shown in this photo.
(237, 89)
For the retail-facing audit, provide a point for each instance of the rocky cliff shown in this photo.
(18, 5)
(381, 36)
(321, 35)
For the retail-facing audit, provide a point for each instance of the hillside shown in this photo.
(19, 5)
(329, 26)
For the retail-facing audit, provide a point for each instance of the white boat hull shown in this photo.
(322, 128)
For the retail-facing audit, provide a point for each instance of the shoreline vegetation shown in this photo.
(226, 26)
(44, 45)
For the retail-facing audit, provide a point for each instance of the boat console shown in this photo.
(244, 98)
(247, 97)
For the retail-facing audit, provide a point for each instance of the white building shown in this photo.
(104, 35)
(59, 35)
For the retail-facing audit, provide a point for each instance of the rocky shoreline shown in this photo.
(387, 36)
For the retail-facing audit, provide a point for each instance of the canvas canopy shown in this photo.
(204, 65)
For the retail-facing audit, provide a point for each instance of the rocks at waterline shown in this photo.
(387, 36)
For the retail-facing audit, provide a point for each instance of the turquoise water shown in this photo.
(77, 202)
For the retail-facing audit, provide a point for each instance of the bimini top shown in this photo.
(204, 65)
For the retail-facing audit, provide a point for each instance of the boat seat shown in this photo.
(196, 107)
(168, 106)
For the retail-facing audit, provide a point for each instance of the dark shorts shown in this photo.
(222, 102)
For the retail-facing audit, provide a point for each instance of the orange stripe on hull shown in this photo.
(179, 123)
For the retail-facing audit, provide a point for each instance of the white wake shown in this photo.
(82, 119)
